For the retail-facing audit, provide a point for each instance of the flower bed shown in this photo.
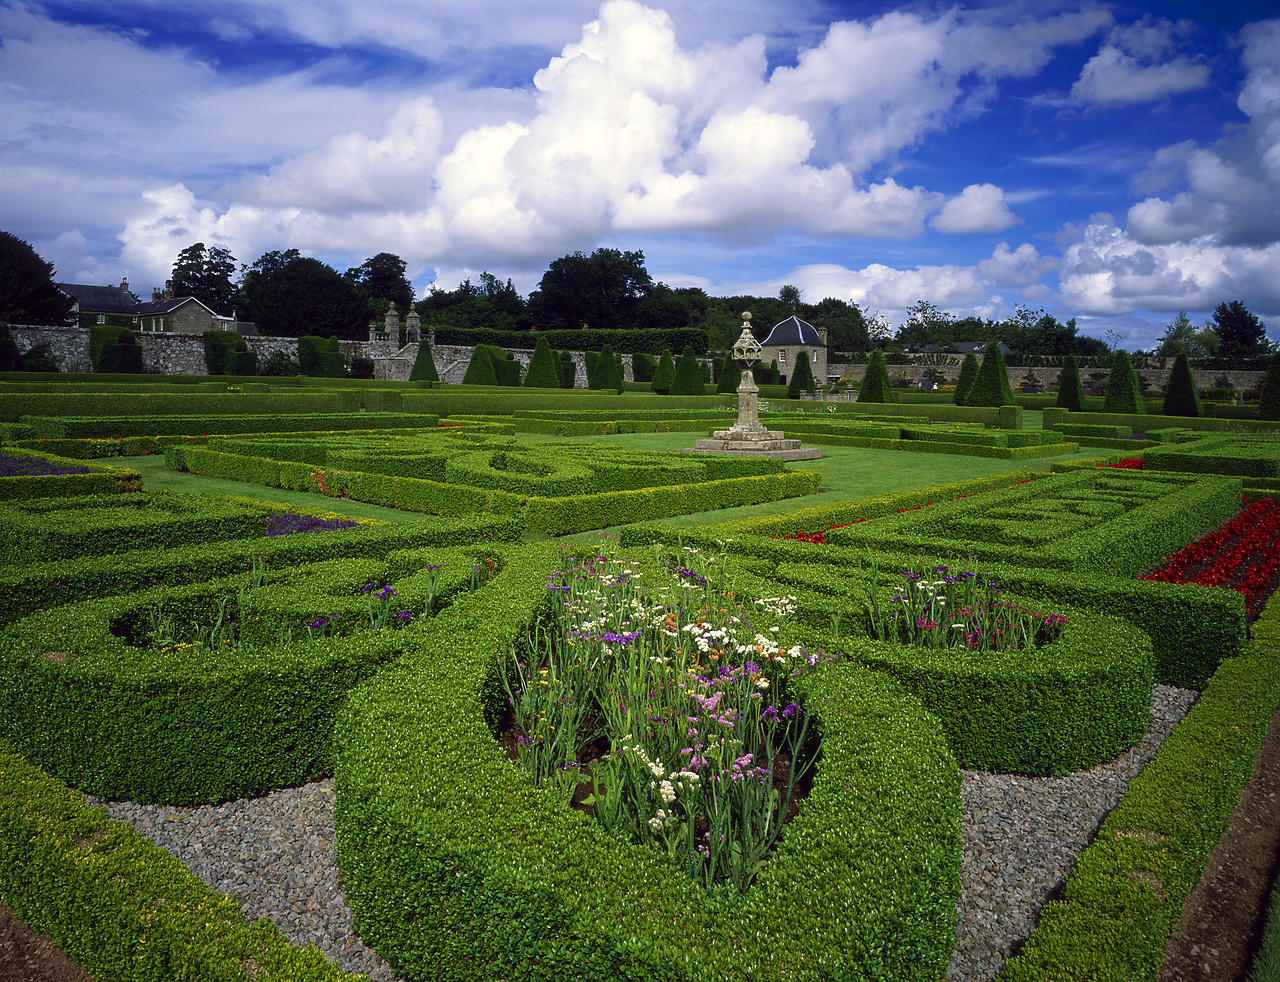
(1243, 555)
(36, 467)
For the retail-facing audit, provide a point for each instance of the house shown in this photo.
(182, 315)
(788, 339)
(102, 304)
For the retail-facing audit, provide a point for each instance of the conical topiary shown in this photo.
(875, 383)
(480, 369)
(1070, 390)
(608, 378)
(1180, 396)
(665, 376)
(730, 375)
(643, 366)
(688, 380)
(544, 368)
(424, 365)
(1269, 403)
(1123, 394)
(968, 372)
(802, 378)
(991, 384)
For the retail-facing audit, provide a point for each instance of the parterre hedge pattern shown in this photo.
(457, 868)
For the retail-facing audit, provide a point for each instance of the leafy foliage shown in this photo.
(603, 290)
(289, 295)
(205, 273)
(1269, 403)
(688, 375)
(27, 292)
(1240, 333)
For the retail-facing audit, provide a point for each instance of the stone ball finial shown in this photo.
(746, 315)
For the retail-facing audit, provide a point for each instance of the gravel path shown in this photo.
(276, 854)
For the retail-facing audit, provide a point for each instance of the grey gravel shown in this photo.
(1021, 835)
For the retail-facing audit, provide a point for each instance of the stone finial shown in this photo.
(392, 320)
(413, 325)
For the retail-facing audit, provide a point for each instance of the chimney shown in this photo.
(124, 285)
(168, 289)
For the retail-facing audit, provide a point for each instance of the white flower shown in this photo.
(762, 683)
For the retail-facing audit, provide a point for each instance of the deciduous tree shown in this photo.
(27, 291)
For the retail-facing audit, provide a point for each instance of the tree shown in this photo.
(1183, 338)
(688, 376)
(290, 295)
(1240, 333)
(40, 358)
(381, 281)
(205, 273)
(603, 291)
(663, 309)
(1269, 403)
(925, 325)
(790, 297)
(1180, 396)
(218, 348)
(665, 376)
(27, 292)
(991, 384)
(424, 365)
(802, 378)
(968, 372)
(875, 383)
(845, 326)
(606, 376)
(1070, 389)
(1123, 392)
(10, 359)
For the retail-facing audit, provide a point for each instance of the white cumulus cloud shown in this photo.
(978, 208)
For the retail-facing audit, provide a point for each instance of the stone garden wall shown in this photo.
(183, 354)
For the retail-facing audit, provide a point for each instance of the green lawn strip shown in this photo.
(1125, 895)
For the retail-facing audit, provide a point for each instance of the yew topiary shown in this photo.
(802, 378)
(968, 372)
(1181, 397)
(688, 380)
(1269, 403)
(730, 375)
(1070, 389)
(1123, 393)
(875, 383)
(424, 365)
(991, 384)
(665, 376)
(544, 368)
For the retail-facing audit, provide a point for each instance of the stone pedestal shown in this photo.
(748, 436)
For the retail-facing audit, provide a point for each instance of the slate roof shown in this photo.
(153, 308)
(793, 331)
(99, 299)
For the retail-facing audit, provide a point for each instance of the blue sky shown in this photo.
(1112, 162)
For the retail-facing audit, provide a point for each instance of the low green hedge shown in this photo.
(1053, 416)
(1125, 895)
(1192, 628)
(174, 401)
(1074, 704)
(121, 906)
(98, 525)
(29, 587)
(101, 479)
(1116, 520)
(141, 424)
(1244, 456)
(181, 724)
(456, 867)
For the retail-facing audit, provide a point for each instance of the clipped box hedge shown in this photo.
(185, 725)
(1125, 895)
(102, 479)
(229, 421)
(121, 906)
(456, 867)
(27, 588)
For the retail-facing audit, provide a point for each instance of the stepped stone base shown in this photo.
(755, 442)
